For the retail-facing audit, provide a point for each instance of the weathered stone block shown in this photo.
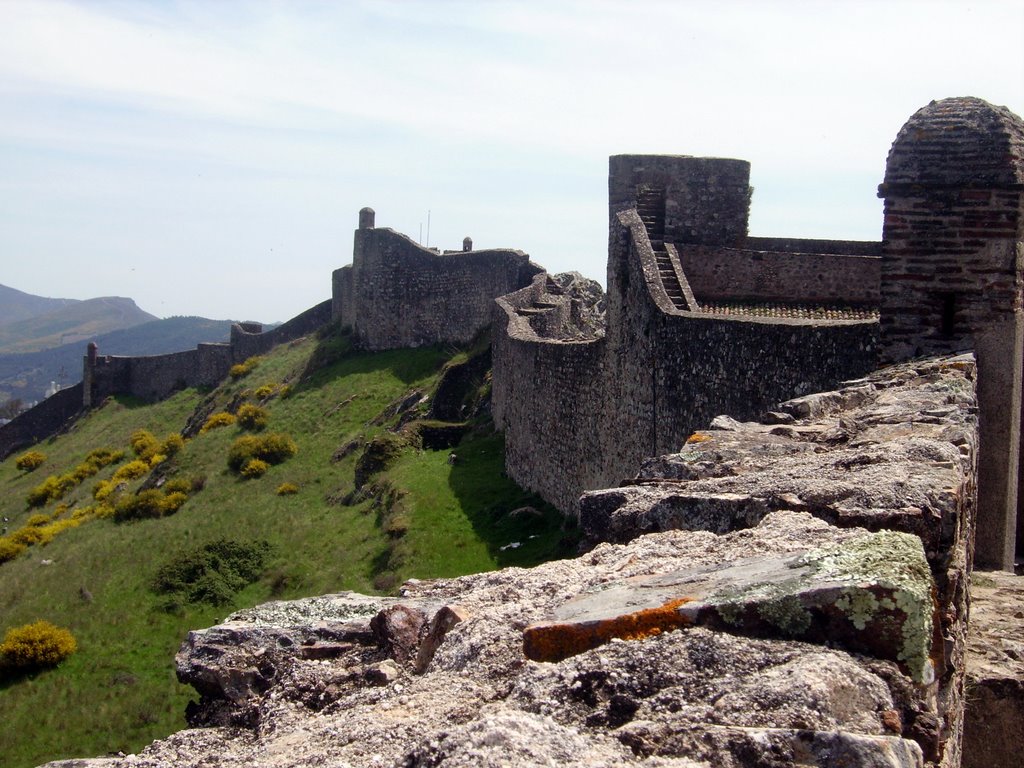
(873, 594)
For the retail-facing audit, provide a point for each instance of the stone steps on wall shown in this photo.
(650, 206)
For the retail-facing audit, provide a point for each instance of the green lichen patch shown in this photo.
(892, 560)
(875, 583)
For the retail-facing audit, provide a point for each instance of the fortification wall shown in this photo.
(545, 394)
(245, 344)
(707, 200)
(397, 293)
(154, 377)
(824, 276)
(678, 369)
(584, 415)
(953, 277)
(39, 422)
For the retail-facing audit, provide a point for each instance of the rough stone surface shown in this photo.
(993, 734)
(894, 450)
(695, 697)
(871, 594)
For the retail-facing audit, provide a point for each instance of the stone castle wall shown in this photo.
(582, 415)
(952, 279)
(247, 343)
(547, 394)
(41, 421)
(154, 377)
(826, 277)
(397, 293)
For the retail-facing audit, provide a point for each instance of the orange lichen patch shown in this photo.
(697, 437)
(556, 641)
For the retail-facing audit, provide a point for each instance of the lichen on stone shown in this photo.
(894, 560)
(787, 613)
(860, 606)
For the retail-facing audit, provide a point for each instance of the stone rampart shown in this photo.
(547, 394)
(397, 293)
(245, 343)
(581, 415)
(42, 420)
(824, 276)
(154, 377)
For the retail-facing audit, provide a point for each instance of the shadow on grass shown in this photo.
(10, 677)
(335, 356)
(535, 533)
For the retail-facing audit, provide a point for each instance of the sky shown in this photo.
(210, 158)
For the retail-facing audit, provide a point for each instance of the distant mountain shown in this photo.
(80, 321)
(17, 305)
(27, 375)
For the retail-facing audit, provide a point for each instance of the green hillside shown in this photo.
(76, 322)
(415, 515)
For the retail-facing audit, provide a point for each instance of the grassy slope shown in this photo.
(119, 691)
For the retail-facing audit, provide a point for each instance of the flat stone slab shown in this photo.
(872, 595)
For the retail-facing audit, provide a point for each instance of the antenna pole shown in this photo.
(428, 228)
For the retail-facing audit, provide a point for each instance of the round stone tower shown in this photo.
(952, 277)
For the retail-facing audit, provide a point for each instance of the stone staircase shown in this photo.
(650, 204)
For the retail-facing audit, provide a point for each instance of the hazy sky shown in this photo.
(210, 157)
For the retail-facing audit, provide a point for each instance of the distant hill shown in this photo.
(27, 375)
(17, 305)
(66, 321)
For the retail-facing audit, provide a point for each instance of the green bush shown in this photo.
(133, 470)
(272, 448)
(30, 460)
(50, 488)
(212, 573)
(262, 393)
(10, 549)
(144, 444)
(139, 506)
(172, 445)
(239, 370)
(252, 417)
(173, 502)
(54, 487)
(216, 420)
(27, 535)
(177, 485)
(36, 646)
(254, 468)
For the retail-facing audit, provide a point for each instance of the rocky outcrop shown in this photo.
(322, 681)
(770, 627)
